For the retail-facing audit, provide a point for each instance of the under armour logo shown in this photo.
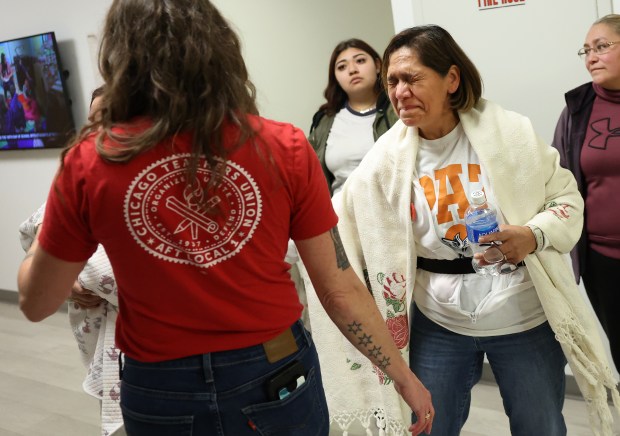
(604, 133)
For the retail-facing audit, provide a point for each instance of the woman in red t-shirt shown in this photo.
(194, 197)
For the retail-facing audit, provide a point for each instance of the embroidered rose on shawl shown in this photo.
(115, 393)
(395, 296)
(399, 328)
(384, 379)
(86, 326)
(394, 290)
(561, 211)
(107, 285)
(112, 354)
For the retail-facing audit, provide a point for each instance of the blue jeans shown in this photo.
(528, 368)
(223, 393)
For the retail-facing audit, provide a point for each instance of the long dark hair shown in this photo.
(334, 94)
(438, 51)
(179, 63)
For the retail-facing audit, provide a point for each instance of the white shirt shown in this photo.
(350, 138)
(447, 171)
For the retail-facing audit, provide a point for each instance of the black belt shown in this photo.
(462, 265)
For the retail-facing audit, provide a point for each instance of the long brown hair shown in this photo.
(334, 94)
(179, 63)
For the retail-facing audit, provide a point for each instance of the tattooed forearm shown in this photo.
(365, 340)
(384, 362)
(341, 256)
(373, 351)
(355, 328)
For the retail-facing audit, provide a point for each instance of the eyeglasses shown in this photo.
(600, 48)
(494, 256)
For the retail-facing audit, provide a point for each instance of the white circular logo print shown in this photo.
(164, 215)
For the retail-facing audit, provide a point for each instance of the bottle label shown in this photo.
(473, 234)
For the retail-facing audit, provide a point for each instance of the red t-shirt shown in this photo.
(191, 282)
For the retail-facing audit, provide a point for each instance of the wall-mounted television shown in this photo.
(35, 110)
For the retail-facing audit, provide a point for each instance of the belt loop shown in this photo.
(305, 332)
(207, 370)
(120, 365)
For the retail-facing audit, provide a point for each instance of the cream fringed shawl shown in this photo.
(360, 397)
(529, 187)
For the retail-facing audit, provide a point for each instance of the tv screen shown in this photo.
(34, 107)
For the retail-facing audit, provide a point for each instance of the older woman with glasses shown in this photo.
(402, 226)
(588, 138)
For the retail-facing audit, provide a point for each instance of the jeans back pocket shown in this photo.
(139, 424)
(302, 413)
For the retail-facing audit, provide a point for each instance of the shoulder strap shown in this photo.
(316, 119)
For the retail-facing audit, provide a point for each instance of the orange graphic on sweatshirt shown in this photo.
(450, 190)
(445, 191)
(456, 237)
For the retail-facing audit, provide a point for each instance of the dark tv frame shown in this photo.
(56, 124)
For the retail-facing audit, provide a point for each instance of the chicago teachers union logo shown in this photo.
(164, 213)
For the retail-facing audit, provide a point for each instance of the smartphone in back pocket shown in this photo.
(289, 378)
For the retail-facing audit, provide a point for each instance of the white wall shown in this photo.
(287, 45)
(25, 176)
(527, 54)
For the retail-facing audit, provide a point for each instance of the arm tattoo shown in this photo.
(355, 328)
(384, 363)
(365, 340)
(341, 256)
(372, 350)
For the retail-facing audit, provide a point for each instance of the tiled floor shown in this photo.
(41, 393)
(41, 379)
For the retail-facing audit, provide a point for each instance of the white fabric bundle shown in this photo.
(93, 329)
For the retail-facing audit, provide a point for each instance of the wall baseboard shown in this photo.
(9, 296)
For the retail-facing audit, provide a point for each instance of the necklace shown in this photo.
(368, 109)
(363, 111)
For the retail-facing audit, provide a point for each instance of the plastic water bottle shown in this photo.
(480, 220)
